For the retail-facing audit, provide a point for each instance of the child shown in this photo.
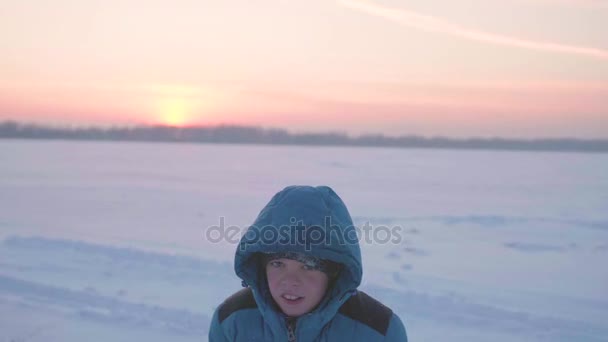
(301, 265)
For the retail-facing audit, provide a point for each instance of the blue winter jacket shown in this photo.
(311, 220)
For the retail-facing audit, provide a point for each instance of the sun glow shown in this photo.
(176, 111)
(180, 106)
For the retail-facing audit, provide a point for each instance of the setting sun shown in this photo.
(176, 112)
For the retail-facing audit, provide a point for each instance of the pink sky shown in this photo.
(521, 68)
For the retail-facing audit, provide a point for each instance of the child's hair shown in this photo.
(332, 269)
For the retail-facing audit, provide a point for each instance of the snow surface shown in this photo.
(107, 241)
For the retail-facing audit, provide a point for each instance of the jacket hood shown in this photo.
(302, 219)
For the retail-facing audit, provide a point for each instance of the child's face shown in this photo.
(295, 287)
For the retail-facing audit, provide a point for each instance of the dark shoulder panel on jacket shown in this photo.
(242, 299)
(365, 309)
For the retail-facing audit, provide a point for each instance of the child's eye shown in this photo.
(307, 267)
(276, 263)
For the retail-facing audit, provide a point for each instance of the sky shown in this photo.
(515, 68)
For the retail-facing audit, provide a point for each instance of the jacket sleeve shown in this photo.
(396, 330)
(216, 332)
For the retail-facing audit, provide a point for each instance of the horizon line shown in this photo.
(73, 127)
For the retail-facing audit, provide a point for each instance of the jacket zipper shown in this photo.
(291, 329)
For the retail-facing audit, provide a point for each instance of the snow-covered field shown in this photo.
(103, 241)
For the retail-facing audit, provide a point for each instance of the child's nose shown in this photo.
(291, 279)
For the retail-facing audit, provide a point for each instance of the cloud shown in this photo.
(438, 25)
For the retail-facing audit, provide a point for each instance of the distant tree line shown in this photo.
(256, 135)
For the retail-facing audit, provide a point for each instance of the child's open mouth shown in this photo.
(291, 299)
